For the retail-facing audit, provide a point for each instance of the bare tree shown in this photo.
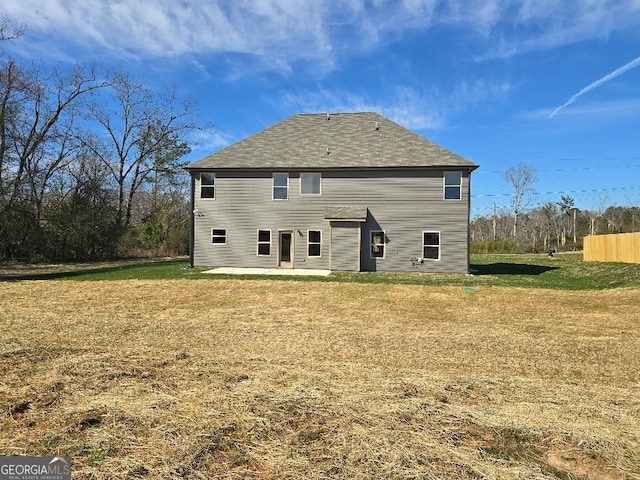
(550, 213)
(10, 28)
(521, 179)
(37, 113)
(76, 148)
(142, 134)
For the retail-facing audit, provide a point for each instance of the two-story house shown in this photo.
(348, 191)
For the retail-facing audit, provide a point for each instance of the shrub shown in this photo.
(496, 246)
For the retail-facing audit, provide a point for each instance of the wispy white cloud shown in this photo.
(524, 26)
(403, 105)
(601, 81)
(205, 142)
(589, 112)
(279, 33)
(209, 139)
(274, 32)
(416, 109)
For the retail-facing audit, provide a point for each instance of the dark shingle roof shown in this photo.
(357, 214)
(323, 141)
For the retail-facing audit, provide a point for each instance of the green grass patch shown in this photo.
(563, 271)
(560, 272)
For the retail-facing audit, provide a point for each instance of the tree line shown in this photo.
(91, 162)
(558, 225)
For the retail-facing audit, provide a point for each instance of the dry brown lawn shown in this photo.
(275, 379)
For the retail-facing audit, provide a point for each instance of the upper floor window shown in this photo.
(310, 183)
(452, 185)
(207, 185)
(280, 186)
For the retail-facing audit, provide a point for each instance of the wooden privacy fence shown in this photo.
(621, 247)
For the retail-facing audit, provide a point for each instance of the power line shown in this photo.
(612, 167)
(480, 206)
(562, 192)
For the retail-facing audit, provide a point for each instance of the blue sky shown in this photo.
(550, 83)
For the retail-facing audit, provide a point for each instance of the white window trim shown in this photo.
(314, 243)
(208, 185)
(263, 243)
(219, 236)
(311, 194)
(273, 186)
(384, 244)
(424, 245)
(445, 185)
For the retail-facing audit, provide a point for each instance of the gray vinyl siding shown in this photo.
(402, 203)
(345, 246)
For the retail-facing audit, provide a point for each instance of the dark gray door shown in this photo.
(285, 251)
(345, 246)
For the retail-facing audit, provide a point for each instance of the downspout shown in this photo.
(469, 222)
(193, 220)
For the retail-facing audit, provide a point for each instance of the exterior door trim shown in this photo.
(285, 248)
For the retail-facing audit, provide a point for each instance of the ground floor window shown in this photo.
(431, 245)
(264, 242)
(218, 235)
(314, 243)
(377, 244)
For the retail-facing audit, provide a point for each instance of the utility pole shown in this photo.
(574, 226)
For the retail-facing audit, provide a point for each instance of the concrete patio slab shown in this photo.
(269, 271)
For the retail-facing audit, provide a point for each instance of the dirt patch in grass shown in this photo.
(49, 271)
(10, 270)
(275, 379)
